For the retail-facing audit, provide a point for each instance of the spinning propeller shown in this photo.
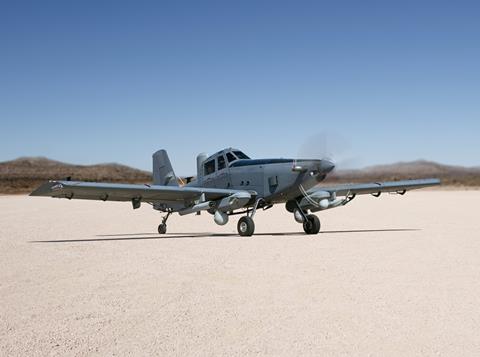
(329, 147)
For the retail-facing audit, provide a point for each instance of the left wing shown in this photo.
(379, 187)
(320, 198)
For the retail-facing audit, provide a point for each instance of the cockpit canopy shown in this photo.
(222, 159)
(241, 155)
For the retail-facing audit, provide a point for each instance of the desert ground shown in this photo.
(397, 275)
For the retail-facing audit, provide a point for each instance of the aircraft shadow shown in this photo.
(143, 236)
(373, 230)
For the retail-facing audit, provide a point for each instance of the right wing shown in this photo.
(171, 196)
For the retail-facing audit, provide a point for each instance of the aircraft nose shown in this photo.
(326, 166)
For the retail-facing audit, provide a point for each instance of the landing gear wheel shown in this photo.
(312, 224)
(162, 228)
(246, 226)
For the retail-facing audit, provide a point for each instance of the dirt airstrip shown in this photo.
(387, 276)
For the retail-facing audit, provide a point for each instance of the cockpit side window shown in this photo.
(231, 157)
(220, 162)
(241, 155)
(209, 167)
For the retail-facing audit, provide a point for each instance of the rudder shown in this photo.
(163, 173)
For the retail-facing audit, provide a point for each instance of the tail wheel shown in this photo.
(311, 224)
(245, 226)
(162, 228)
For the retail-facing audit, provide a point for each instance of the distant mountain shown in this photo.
(450, 175)
(26, 173)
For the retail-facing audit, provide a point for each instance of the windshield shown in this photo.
(231, 157)
(241, 155)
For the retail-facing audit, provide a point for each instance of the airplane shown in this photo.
(231, 183)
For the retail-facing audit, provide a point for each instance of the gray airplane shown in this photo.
(229, 183)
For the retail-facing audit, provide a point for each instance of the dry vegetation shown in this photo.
(24, 174)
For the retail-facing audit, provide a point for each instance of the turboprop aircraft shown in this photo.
(229, 183)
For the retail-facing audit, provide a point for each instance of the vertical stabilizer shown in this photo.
(163, 173)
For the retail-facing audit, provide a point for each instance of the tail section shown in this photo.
(163, 173)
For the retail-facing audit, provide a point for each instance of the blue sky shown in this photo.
(94, 81)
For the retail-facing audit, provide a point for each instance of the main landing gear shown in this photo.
(246, 225)
(310, 222)
(162, 227)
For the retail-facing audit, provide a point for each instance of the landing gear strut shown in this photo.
(246, 225)
(162, 227)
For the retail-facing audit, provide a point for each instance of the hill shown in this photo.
(450, 175)
(24, 174)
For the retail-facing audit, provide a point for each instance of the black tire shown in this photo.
(162, 228)
(245, 226)
(291, 206)
(312, 224)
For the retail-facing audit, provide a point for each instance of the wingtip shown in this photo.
(44, 189)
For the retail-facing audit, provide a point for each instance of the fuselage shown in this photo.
(274, 180)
